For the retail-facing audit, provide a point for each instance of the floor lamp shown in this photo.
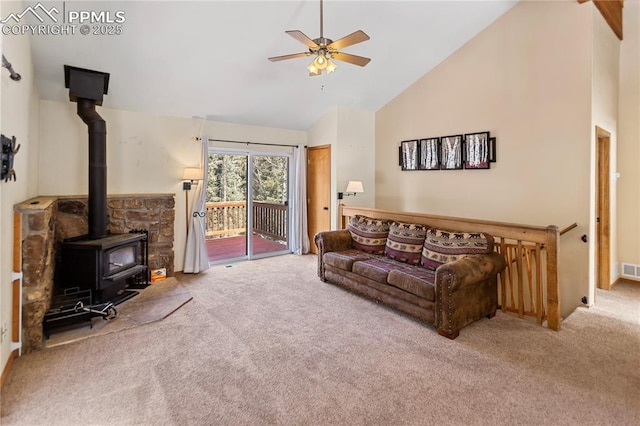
(191, 176)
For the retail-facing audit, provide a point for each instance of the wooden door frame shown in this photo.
(603, 209)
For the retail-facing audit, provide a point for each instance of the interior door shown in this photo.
(318, 191)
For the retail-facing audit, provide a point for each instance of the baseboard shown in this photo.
(624, 280)
(7, 367)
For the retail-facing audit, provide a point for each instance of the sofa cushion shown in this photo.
(405, 242)
(369, 235)
(376, 269)
(417, 281)
(441, 246)
(344, 259)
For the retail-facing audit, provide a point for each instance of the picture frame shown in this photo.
(492, 145)
(451, 152)
(409, 154)
(477, 150)
(429, 150)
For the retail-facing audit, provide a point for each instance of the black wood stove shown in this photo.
(106, 264)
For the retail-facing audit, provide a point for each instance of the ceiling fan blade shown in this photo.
(352, 59)
(283, 57)
(353, 38)
(302, 38)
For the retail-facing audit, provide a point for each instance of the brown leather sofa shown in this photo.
(451, 294)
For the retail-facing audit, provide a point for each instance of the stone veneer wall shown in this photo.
(38, 264)
(155, 213)
(49, 220)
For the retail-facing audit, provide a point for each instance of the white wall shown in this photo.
(604, 107)
(18, 117)
(527, 79)
(146, 153)
(629, 137)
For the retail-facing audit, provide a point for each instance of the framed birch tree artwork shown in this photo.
(451, 152)
(477, 150)
(429, 154)
(409, 155)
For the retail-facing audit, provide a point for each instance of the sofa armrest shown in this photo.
(328, 241)
(466, 291)
(473, 269)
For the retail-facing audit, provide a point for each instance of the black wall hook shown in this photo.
(14, 75)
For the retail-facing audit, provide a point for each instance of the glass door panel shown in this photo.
(270, 205)
(226, 207)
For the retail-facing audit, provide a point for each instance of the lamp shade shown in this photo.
(192, 173)
(354, 186)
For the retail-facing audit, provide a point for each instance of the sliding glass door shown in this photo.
(270, 204)
(247, 205)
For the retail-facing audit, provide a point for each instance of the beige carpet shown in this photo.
(265, 342)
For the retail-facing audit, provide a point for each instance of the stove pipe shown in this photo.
(86, 87)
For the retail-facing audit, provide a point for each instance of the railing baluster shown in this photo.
(520, 279)
(527, 256)
(503, 276)
(539, 299)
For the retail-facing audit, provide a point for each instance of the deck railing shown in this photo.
(227, 219)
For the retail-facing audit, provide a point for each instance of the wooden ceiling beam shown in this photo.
(612, 12)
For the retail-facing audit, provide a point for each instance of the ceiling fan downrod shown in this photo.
(321, 20)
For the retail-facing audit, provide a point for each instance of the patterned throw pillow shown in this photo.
(442, 246)
(369, 235)
(405, 242)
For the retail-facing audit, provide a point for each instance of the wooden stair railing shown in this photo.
(569, 228)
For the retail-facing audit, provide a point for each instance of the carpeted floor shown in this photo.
(265, 342)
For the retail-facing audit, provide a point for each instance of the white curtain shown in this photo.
(299, 236)
(196, 258)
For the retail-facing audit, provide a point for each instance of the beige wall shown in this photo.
(146, 153)
(629, 137)
(351, 134)
(604, 107)
(526, 79)
(325, 132)
(356, 154)
(18, 117)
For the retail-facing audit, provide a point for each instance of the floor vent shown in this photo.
(630, 270)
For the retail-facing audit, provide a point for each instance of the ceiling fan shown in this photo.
(326, 49)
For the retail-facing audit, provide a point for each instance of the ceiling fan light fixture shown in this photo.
(320, 62)
(331, 66)
(326, 49)
(312, 68)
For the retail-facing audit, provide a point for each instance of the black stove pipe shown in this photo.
(97, 167)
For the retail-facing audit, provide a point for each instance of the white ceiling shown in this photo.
(209, 58)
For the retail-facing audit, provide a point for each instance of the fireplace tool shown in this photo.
(74, 308)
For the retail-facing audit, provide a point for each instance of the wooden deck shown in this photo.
(233, 247)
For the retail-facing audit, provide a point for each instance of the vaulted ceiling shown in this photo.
(209, 58)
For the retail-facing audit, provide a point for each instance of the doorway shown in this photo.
(247, 205)
(603, 210)
(318, 192)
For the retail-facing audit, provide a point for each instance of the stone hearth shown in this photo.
(47, 221)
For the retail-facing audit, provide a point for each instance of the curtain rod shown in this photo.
(254, 143)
